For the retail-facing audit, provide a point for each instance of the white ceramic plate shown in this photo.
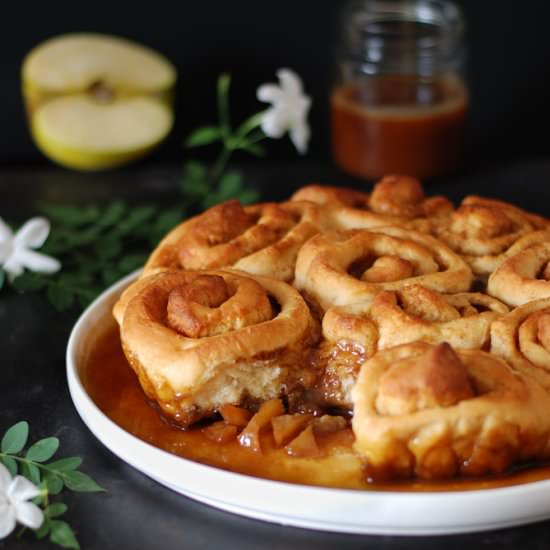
(337, 510)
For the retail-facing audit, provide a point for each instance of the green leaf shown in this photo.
(62, 534)
(254, 149)
(195, 188)
(54, 483)
(2, 277)
(60, 297)
(194, 170)
(31, 471)
(135, 217)
(81, 482)
(55, 510)
(71, 216)
(108, 247)
(44, 529)
(249, 196)
(10, 464)
(29, 281)
(113, 213)
(203, 136)
(15, 438)
(230, 184)
(65, 464)
(43, 450)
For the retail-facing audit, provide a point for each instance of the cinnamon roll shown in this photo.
(433, 412)
(483, 232)
(261, 239)
(522, 337)
(415, 313)
(355, 332)
(524, 276)
(346, 267)
(200, 340)
(395, 200)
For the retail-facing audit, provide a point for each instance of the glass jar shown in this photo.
(399, 101)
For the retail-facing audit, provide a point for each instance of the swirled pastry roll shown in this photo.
(415, 313)
(432, 412)
(201, 340)
(522, 337)
(524, 276)
(261, 239)
(395, 200)
(484, 231)
(355, 332)
(346, 267)
(537, 221)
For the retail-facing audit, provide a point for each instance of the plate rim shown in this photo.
(397, 520)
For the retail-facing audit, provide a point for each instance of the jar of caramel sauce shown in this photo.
(400, 100)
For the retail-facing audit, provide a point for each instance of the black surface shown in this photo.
(507, 66)
(136, 512)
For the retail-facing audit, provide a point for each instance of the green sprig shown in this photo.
(212, 184)
(50, 477)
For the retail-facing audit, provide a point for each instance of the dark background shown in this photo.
(508, 64)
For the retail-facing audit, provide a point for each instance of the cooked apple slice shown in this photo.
(97, 101)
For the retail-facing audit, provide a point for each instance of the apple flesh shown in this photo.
(96, 101)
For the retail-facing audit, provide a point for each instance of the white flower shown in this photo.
(289, 110)
(14, 507)
(15, 250)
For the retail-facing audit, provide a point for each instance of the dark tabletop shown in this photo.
(136, 512)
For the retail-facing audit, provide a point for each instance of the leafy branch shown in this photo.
(211, 184)
(50, 477)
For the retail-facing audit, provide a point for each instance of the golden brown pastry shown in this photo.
(524, 276)
(415, 313)
(483, 232)
(433, 412)
(346, 267)
(522, 337)
(198, 341)
(261, 239)
(395, 200)
(537, 221)
(355, 332)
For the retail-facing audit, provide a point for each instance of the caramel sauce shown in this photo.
(399, 124)
(115, 389)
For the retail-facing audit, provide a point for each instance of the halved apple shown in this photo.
(97, 101)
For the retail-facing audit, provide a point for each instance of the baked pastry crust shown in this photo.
(428, 411)
(414, 313)
(385, 258)
(524, 276)
(261, 239)
(522, 337)
(355, 332)
(484, 232)
(257, 353)
(395, 200)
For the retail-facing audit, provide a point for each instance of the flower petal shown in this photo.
(29, 514)
(273, 124)
(36, 261)
(5, 232)
(21, 489)
(33, 234)
(290, 81)
(13, 267)
(7, 518)
(270, 93)
(299, 135)
(5, 479)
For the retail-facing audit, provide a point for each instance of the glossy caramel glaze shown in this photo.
(114, 387)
